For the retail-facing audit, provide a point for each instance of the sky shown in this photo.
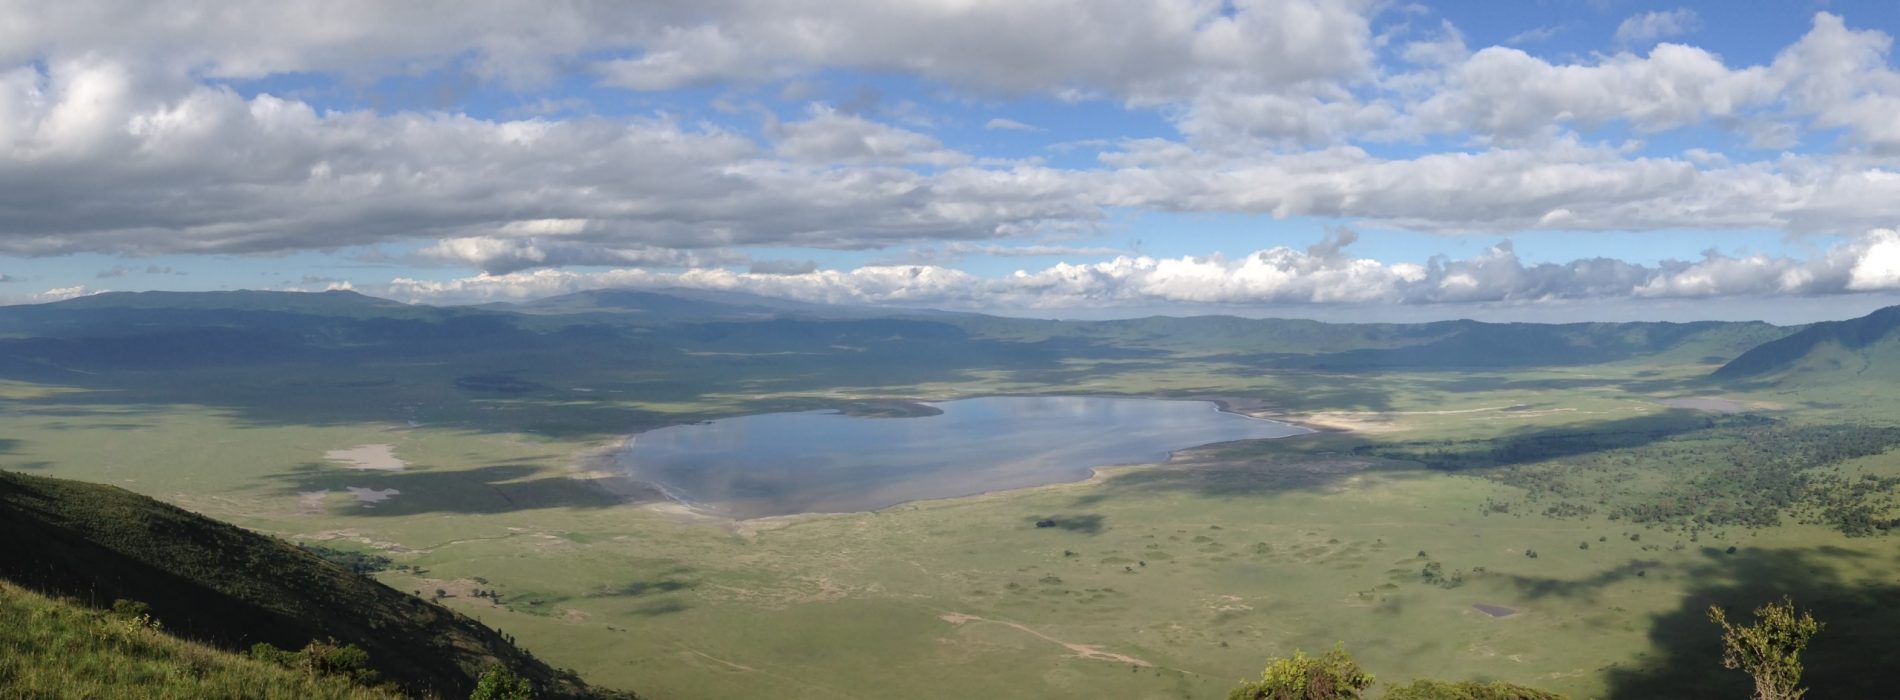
(1352, 160)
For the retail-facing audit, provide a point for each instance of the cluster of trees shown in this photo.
(359, 562)
(1769, 650)
(322, 657)
(1734, 472)
(1434, 574)
(348, 661)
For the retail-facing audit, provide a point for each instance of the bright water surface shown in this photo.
(825, 462)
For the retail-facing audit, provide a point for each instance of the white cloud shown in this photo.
(1507, 92)
(1138, 50)
(829, 136)
(782, 267)
(1650, 26)
(1002, 124)
(1321, 274)
(89, 161)
(1878, 266)
(501, 255)
(1534, 35)
(64, 293)
(115, 136)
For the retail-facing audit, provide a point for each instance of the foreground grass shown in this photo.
(57, 649)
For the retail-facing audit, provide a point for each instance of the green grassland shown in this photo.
(1160, 581)
(58, 649)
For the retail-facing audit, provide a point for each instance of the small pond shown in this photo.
(828, 462)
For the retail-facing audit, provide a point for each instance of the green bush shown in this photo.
(1468, 690)
(498, 683)
(1330, 676)
(130, 609)
(322, 657)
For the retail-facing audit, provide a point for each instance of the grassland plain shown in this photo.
(58, 649)
(1171, 581)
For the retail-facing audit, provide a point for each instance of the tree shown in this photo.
(1770, 649)
(1330, 676)
(499, 683)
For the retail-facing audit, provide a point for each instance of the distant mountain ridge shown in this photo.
(1831, 351)
(651, 328)
(688, 304)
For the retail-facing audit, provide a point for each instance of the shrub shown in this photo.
(1330, 676)
(322, 657)
(498, 683)
(1468, 690)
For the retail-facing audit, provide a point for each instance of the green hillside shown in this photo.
(1856, 349)
(232, 588)
(60, 649)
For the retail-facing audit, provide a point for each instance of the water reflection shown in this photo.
(820, 461)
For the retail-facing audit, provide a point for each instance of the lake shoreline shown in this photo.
(601, 465)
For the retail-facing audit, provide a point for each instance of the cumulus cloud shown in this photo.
(783, 267)
(64, 293)
(1002, 124)
(118, 134)
(498, 255)
(1137, 50)
(92, 161)
(1324, 273)
(833, 137)
(955, 252)
(1564, 185)
(1650, 26)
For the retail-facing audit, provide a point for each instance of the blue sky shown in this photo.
(1597, 159)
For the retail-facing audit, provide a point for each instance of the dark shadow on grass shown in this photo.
(1857, 654)
(670, 581)
(1584, 588)
(1088, 524)
(1245, 468)
(659, 608)
(496, 489)
(1542, 444)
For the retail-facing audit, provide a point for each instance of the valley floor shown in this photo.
(1165, 581)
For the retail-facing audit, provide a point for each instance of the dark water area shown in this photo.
(827, 462)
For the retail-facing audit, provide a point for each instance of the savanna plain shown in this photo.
(1555, 506)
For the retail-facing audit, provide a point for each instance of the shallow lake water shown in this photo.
(827, 462)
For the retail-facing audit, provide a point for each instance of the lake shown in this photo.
(828, 462)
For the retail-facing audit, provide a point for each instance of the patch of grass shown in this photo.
(51, 648)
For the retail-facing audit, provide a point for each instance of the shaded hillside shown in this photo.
(1826, 352)
(1308, 344)
(59, 649)
(232, 588)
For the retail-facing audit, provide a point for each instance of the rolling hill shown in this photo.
(231, 588)
(1856, 349)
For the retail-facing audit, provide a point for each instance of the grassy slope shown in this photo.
(232, 587)
(1831, 352)
(60, 649)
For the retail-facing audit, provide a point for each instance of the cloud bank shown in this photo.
(139, 128)
(1320, 274)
